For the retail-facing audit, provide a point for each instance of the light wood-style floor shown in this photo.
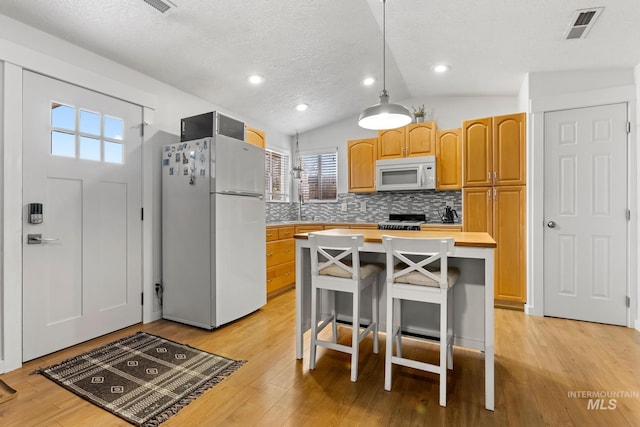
(539, 361)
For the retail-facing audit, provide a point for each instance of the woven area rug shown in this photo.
(143, 379)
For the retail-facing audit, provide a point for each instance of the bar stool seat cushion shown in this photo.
(366, 270)
(417, 278)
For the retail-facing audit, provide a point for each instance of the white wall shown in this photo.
(550, 91)
(1, 212)
(448, 112)
(23, 47)
(636, 74)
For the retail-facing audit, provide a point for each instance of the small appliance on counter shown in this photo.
(403, 222)
(448, 215)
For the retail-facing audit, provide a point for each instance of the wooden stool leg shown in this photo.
(389, 343)
(375, 314)
(397, 321)
(355, 346)
(334, 325)
(314, 328)
(443, 354)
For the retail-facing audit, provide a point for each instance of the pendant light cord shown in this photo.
(384, 47)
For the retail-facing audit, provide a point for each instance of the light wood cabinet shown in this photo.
(281, 257)
(509, 145)
(421, 139)
(414, 140)
(449, 159)
(477, 142)
(501, 212)
(508, 229)
(391, 143)
(477, 209)
(494, 151)
(255, 136)
(361, 154)
(494, 195)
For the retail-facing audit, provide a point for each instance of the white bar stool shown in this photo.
(419, 278)
(335, 266)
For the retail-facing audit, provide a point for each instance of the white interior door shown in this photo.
(82, 161)
(585, 203)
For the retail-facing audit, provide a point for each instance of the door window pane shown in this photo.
(112, 128)
(89, 122)
(63, 116)
(112, 152)
(89, 148)
(63, 144)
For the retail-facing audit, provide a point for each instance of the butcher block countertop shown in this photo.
(462, 238)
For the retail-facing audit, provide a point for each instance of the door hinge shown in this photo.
(628, 127)
(141, 214)
(141, 298)
(628, 215)
(628, 301)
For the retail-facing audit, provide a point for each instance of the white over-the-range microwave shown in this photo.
(412, 173)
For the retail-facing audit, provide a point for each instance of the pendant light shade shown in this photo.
(384, 115)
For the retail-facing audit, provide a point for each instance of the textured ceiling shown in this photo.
(317, 51)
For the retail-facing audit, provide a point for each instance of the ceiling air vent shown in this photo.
(582, 22)
(162, 6)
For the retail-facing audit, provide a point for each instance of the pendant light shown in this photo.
(384, 115)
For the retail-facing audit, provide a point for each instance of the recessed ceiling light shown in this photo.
(441, 68)
(256, 79)
(368, 81)
(302, 107)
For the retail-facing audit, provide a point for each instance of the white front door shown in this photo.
(82, 270)
(585, 206)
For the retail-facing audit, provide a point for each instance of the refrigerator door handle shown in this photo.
(241, 193)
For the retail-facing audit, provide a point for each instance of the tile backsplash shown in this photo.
(372, 207)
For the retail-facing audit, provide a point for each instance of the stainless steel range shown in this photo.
(403, 222)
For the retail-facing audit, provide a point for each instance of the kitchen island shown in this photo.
(473, 293)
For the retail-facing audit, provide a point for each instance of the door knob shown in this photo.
(551, 224)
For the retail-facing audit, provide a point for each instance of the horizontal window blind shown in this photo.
(319, 176)
(276, 177)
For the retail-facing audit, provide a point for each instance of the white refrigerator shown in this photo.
(213, 231)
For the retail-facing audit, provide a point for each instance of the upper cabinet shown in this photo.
(256, 137)
(449, 159)
(509, 136)
(477, 152)
(494, 151)
(361, 155)
(391, 143)
(413, 140)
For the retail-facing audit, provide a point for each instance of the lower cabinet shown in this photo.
(281, 258)
(501, 212)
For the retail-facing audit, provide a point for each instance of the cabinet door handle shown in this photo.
(269, 254)
(494, 194)
(495, 177)
(488, 195)
(269, 235)
(489, 177)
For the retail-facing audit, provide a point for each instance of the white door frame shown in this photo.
(11, 181)
(535, 186)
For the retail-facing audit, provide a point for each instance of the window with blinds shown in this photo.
(320, 176)
(276, 176)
